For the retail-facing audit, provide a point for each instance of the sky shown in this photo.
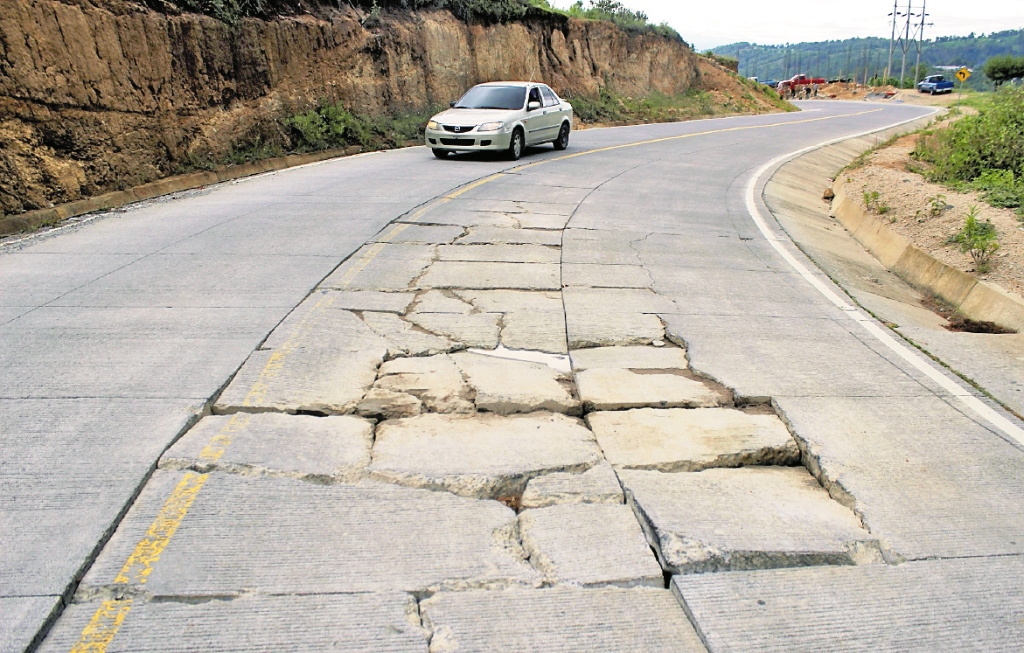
(706, 25)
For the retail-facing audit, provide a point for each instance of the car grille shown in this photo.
(458, 129)
(458, 141)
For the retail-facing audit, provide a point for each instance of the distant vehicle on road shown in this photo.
(501, 116)
(935, 84)
(840, 80)
(770, 83)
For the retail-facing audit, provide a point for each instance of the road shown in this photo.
(373, 477)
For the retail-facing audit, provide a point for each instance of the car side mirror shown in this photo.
(533, 106)
(451, 105)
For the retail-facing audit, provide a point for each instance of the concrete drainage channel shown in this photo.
(444, 398)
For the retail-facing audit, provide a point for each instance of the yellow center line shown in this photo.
(108, 618)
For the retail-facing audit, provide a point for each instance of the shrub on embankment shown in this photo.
(982, 152)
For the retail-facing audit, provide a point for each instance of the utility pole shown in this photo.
(892, 39)
(906, 46)
(920, 40)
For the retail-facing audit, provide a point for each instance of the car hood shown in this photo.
(472, 116)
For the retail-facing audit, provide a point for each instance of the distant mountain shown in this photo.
(857, 56)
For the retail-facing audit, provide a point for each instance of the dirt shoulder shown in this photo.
(909, 198)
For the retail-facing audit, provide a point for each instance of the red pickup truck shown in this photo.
(802, 80)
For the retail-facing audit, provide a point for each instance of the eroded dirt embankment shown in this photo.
(100, 95)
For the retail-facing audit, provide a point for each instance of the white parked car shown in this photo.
(501, 116)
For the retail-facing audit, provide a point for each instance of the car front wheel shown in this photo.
(515, 146)
(562, 141)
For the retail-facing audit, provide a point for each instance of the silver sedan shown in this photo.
(501, 116)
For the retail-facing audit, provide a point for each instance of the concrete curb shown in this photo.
(29, 220)
(971, 297)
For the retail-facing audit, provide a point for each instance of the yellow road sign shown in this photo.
(963, 74)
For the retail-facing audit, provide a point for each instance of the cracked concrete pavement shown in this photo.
(576, 405)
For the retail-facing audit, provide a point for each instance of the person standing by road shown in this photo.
(807, 92)
(815, 87)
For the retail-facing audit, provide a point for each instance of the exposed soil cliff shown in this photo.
(98, 95)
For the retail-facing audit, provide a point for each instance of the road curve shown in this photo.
(118, 334)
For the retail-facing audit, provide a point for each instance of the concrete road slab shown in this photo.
(690, 440)
(592, 275)
(372, 300)
(527, 194)
(51, 482)
(517, 205)
(449, 215)
(604, 247)
(422, 234)
(612, 329)
(748, 518)
(297, 446)
(499, 253)
(32, 278)
(603, 388)
(560, 620)
(599, 484)
(541, 221)
(538, 331)
(270, 535)
(504, 386)
(318, 323)
(501, 236)
(591, 545)
(360, 623)
(630, 358)
(482, 456)
(128, 352)
(204, 280)
(513, 301)
(441, 301)
(469, 275)
(318, 380)
(973, 604)
(380, 266)
(23, 617)
(579, 300)
(926, 479)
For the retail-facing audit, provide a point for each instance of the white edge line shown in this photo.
(869, 324)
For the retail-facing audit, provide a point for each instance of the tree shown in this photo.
(1004, 68)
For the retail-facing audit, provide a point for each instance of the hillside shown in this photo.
(102, 95)
(854, 56)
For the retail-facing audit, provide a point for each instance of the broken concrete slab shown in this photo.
(404, 338)
(298, 446)
(318, 323)
(748, 518)
(434, 380)
(418, 233)
(612, 329)
(560, 620)
(592, 545)
(689, 440)
(318, 380)
(464, 274)
(363, 623)
(500, 236)
(606, 276)
(372, 300)
(513, 301)
(265, 535)
(380, 403)
(441, 301)
(541, 221)
(604, 388)
(506, 386)
(602, 247)
(474, 330)
(500, 253)
(446, 215)
(945, 606)
(480, 456)
(381, 266)
(630, 358)
(599, 484)
(517, 206)
(537, 331)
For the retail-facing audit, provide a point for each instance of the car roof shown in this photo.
(523, 84)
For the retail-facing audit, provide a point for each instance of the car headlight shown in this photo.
(490, 127)
(432, 124)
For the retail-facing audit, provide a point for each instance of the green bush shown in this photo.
(332, 126)
(979, 239)
(984, 152)
(1003, 68)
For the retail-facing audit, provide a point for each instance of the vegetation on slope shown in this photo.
(983, 152)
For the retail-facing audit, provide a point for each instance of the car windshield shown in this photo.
(509, 98)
